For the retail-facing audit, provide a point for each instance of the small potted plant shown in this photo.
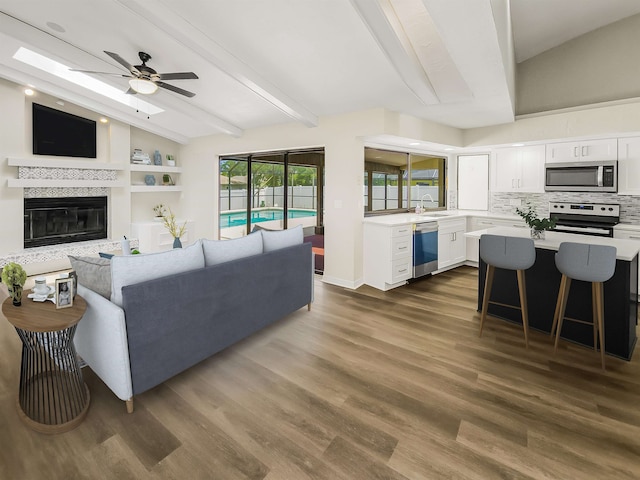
(14, 276)
(159, 211)
(537, 225)
(176, 231)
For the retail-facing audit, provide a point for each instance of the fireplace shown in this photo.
(52, 221)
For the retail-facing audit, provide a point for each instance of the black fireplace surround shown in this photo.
(52, 221)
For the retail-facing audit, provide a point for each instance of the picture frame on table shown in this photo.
(64, 292)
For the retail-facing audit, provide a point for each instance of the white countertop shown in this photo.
(626, 249)
(409, 218)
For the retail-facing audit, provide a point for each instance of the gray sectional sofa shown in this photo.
(168, 311)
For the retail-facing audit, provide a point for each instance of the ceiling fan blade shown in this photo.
(131, 91)
(176, 89)
(122, 62)
(178, 76)
(100, 73)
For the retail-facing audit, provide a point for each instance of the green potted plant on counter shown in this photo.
(538, 225)
(14, 276)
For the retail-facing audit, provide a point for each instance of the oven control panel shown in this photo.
(591, 209)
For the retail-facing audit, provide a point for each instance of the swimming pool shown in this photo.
(235, 219)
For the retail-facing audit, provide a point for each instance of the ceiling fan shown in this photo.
(146, 80)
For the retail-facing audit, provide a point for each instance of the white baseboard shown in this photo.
(340, 282)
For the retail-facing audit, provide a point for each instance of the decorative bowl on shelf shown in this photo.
(150, 179)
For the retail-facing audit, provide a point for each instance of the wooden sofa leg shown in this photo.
(129, 405)
(309, 307)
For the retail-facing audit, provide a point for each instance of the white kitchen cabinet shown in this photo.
(629, 166)
(452, 244)
(518, 169)
(154, 237)
(629, 233)
(388, 255)
(584, 151)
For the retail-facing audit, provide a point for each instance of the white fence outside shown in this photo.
(305, 197)
(417, 194)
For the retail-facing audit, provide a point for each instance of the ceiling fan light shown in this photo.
(145, 87)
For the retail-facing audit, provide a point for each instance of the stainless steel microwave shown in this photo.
(581, 177)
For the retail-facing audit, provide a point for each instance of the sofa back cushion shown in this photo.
(130, 269)
(93, 273)
(277, 239)
(220, 251)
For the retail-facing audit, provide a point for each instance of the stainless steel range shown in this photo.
(586, 218)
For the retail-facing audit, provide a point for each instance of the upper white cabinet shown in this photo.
(629, 166)
(588, 150)
(518, 169)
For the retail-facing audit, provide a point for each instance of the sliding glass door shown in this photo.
(276, 190)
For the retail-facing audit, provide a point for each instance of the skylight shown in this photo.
(62, 71)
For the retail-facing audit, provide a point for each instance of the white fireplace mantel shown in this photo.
(49, 162)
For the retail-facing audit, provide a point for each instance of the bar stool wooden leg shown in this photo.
(487, 294)
(600, 301)
(594, 302)
(522, 289)
(563, 307)
(563, 281)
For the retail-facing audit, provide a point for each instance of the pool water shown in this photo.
(235, 219)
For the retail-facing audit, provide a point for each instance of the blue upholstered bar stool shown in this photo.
(509, 253)
(589, 263)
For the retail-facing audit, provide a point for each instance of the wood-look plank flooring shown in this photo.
(368, 385)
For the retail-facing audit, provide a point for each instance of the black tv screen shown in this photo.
(62, 134)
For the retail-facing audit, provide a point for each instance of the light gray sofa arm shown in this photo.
(101, 341)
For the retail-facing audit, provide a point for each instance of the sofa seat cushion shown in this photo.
(221, 251)
(93, 273)
(130, 269)
(277, 239)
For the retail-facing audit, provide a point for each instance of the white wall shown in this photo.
(12, 144)
(599, 66)
(341, 136)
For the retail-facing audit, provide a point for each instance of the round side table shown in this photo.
(53, 397)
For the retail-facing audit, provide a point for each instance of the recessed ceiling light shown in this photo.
(62, 71)
(28, 92)
(448, 149)
(60, 102)
(56, 27)
(517, 144)
(414, 143)
(104, 120)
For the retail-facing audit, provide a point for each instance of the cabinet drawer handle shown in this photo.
(403, 270)
(402, 248)
(575, 152)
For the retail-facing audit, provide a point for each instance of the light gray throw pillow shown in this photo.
(277, 239)
(221, 251)
(93, 273)
(130, 269)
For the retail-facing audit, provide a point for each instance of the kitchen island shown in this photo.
(543, 283)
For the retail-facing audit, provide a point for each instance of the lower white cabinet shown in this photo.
(388, 255)
(452, 244)
(154, 237)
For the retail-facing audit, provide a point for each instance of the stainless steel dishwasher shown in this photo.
(425, 248)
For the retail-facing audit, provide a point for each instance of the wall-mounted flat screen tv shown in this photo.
(62, 134)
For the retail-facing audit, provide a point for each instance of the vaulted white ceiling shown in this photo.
(270, 62)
